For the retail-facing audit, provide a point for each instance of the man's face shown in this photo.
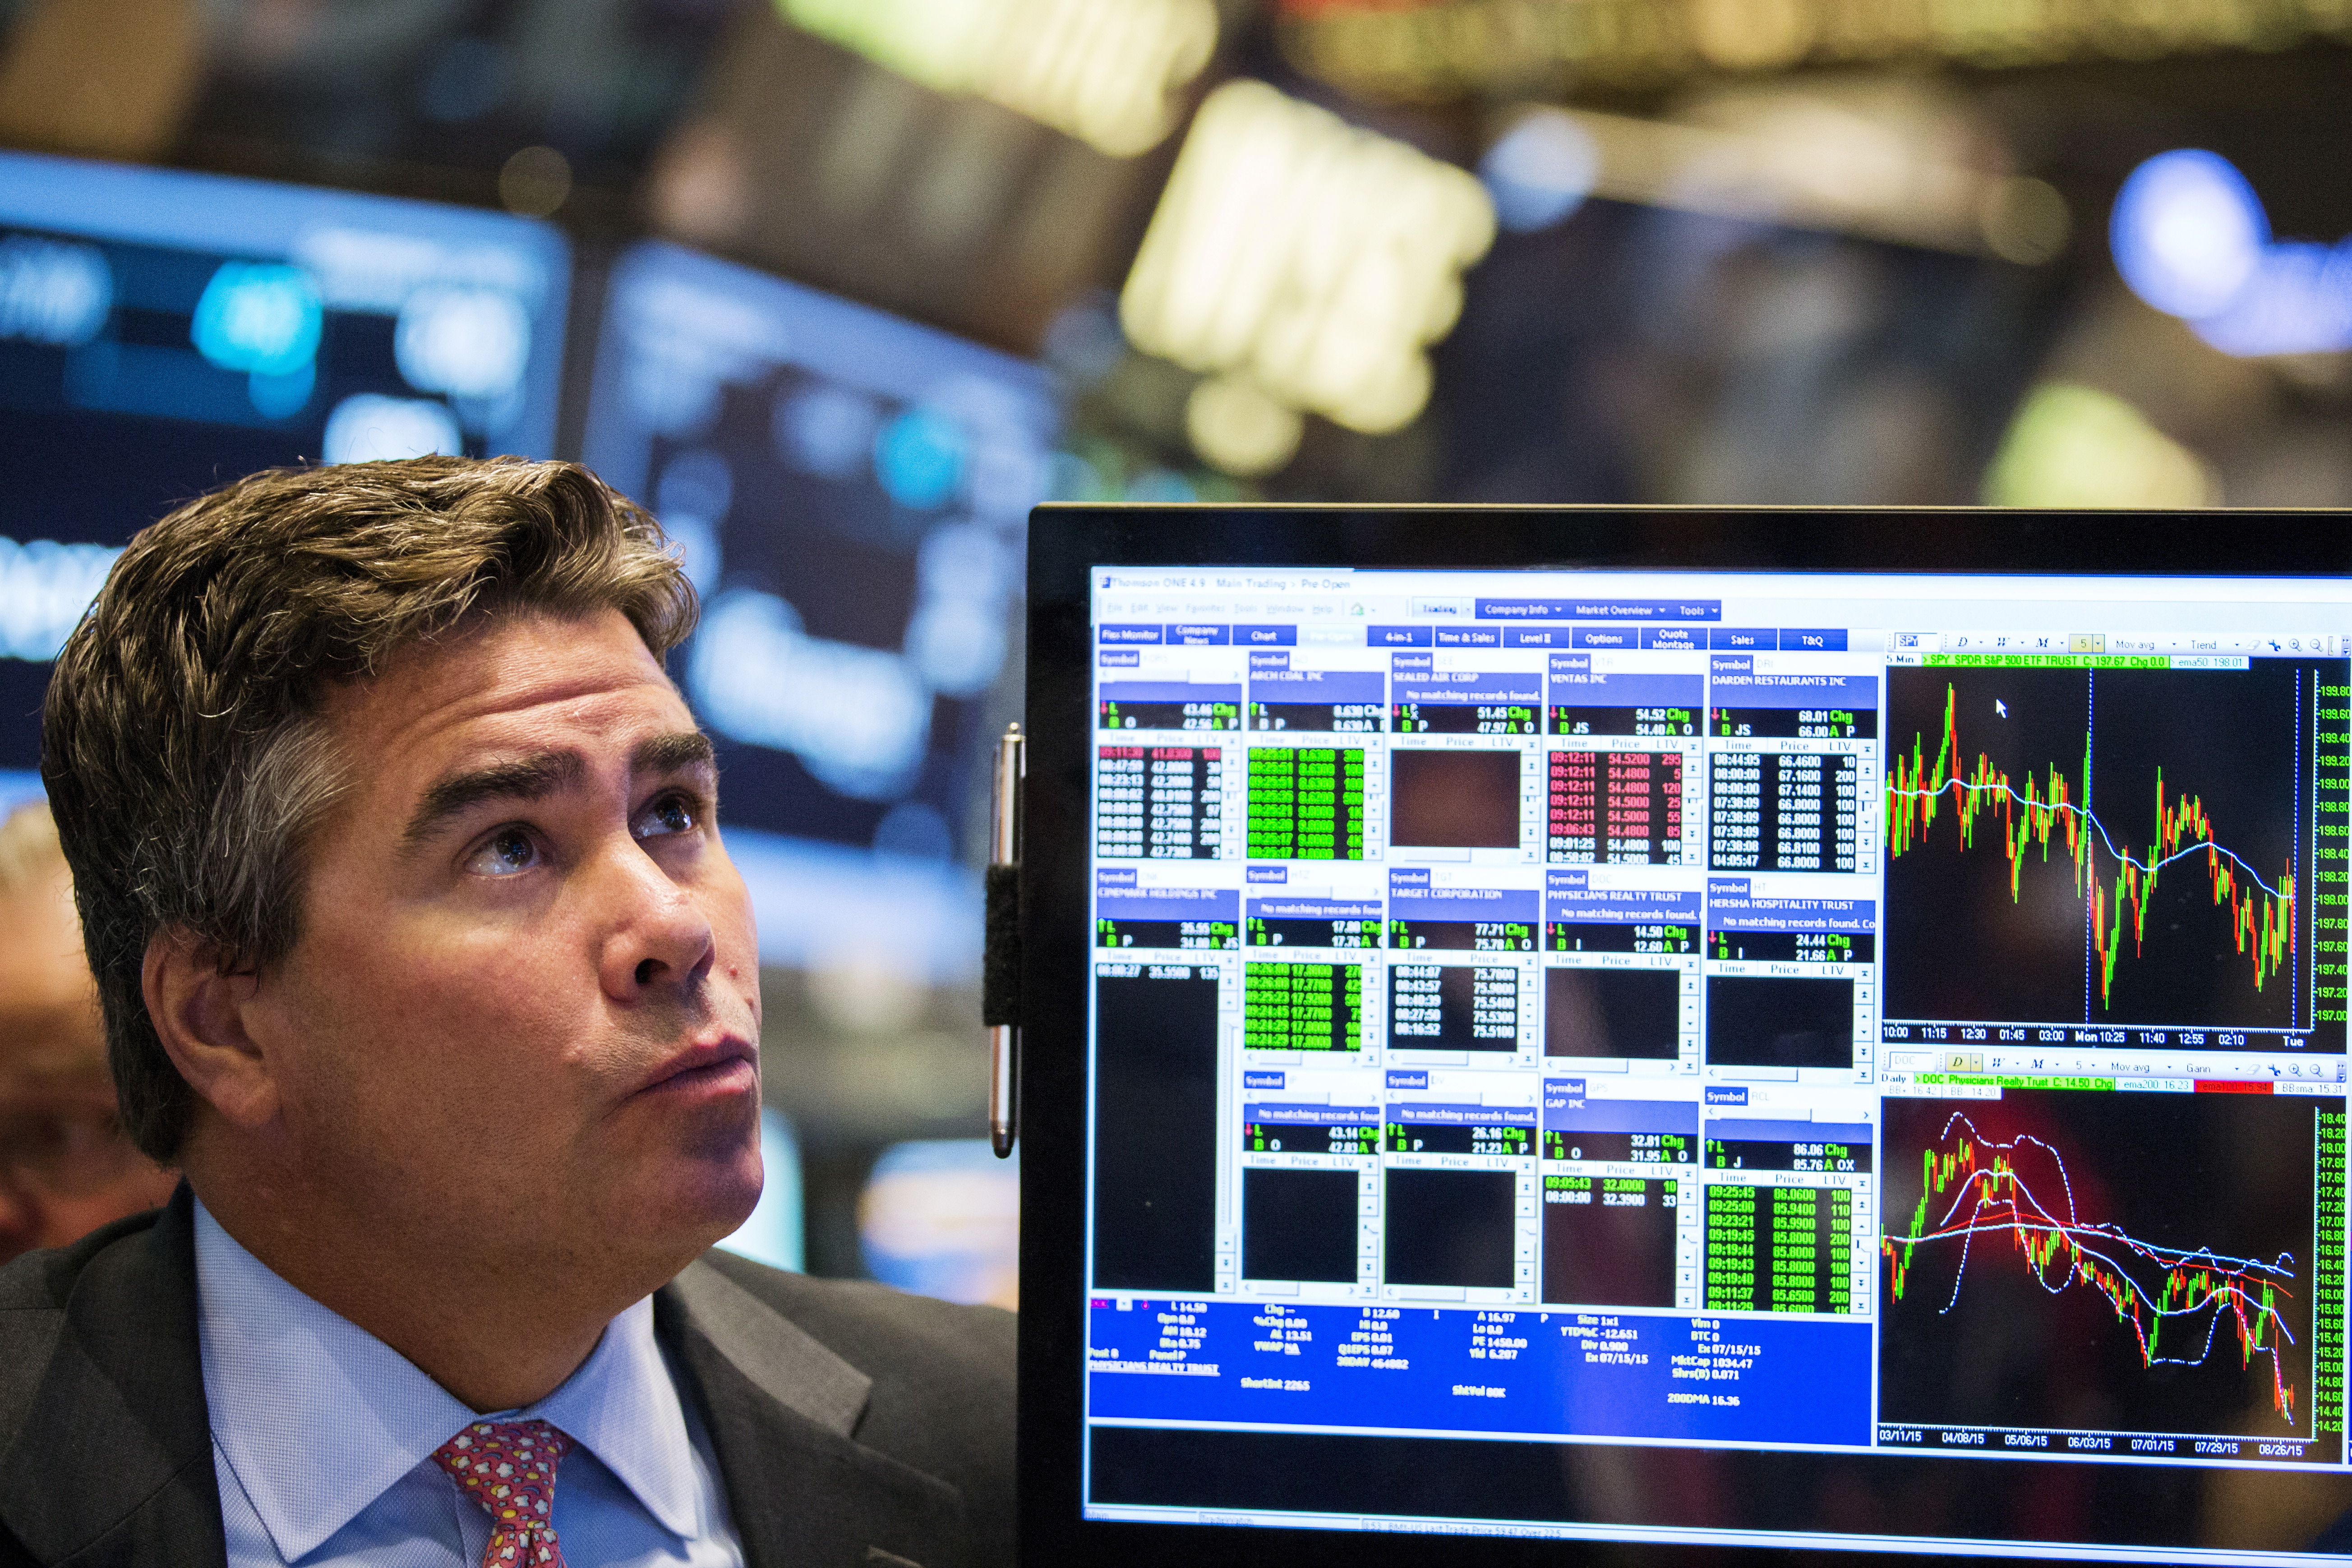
(65, 1168)
(521, 1020)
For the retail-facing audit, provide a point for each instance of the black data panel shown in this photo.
(1595, 936)
(1754, 1022)
(1638, 1148)
(1453, 1008)
(1263, 931)
(1613, 808)
(1339, 1134)
(1503, 1138)
(1779, 1249)
(1155, 1137)
(1212, 936)
(1299, 1225)
(1464, 718)
(1569, 719)
(1302, 1007)
(1794, 724)
(1609, 1241)
(1306, 803)
(1783, 811)
(1453, 800)
(1794, 946)
(1627, 1013)
(1451, 1228)
(1159, 802)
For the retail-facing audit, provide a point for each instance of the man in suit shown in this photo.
(65, 1166)
(421, 954)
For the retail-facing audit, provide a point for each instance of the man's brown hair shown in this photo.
(182, 742)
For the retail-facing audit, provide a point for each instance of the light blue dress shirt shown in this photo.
(323, 1438)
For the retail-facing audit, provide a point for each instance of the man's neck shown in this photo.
(498, 1335)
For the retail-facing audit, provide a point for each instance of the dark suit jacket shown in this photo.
(856, 1428)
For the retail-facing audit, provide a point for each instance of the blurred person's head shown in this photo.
(65, 1166)
(417, 944)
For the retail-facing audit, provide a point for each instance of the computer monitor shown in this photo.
(849, 490)
(1685, 1030)
(162, 332)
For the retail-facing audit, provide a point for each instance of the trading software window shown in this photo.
(1695, 1008)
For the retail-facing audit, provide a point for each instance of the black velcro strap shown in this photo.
(1000, 973)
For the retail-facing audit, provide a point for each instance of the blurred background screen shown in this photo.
(840, 288)
(163, 332)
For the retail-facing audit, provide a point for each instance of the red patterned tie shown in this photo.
(509, 1467)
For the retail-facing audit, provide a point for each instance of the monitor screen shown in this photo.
(849, 490)
(162, 332)
(1766, 1057)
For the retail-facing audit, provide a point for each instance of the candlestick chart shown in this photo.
(2086, 1261)
(2107, 847)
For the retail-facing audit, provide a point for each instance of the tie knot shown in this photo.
(509, 1467)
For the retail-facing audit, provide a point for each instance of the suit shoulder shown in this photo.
(891, 1336)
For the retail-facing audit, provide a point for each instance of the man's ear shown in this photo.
(201, 1016)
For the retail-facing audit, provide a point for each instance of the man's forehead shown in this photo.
(514, 682)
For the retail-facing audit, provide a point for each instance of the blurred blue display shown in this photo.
(848, 492)
(162, 332)
(942, 1217)
(2190, 237)
(774, 1233)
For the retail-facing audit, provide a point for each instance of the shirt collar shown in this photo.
(317, 1417)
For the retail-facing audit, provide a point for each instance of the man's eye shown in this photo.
(671, 813)
(507, 851)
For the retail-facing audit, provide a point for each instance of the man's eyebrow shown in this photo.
(674, 752)
(531, 778)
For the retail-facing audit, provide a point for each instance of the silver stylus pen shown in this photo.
(1004, 977)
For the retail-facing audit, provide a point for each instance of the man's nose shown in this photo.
(658, 932)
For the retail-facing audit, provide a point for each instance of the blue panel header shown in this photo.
(1273, 1078)
(1585, 689)
(1566, 1112)
(1309, 1115)
(1468, 686)
(1167, 691)
(1402, 1078)
(1727, 1094)
(1315, 686)
(1432, 1114)
(1268, 659)
(1745, 688)
(1411, 902)
(1118, 658)
(1268, 874)
(1760, 1131)
(1117, 903)
(1601, 610)
(1619, 906)
(1728, 911)
(1314, 909)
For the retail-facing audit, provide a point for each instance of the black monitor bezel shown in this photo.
(1066, 541)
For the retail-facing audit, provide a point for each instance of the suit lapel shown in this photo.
(781, 1409)
(113, 1461)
